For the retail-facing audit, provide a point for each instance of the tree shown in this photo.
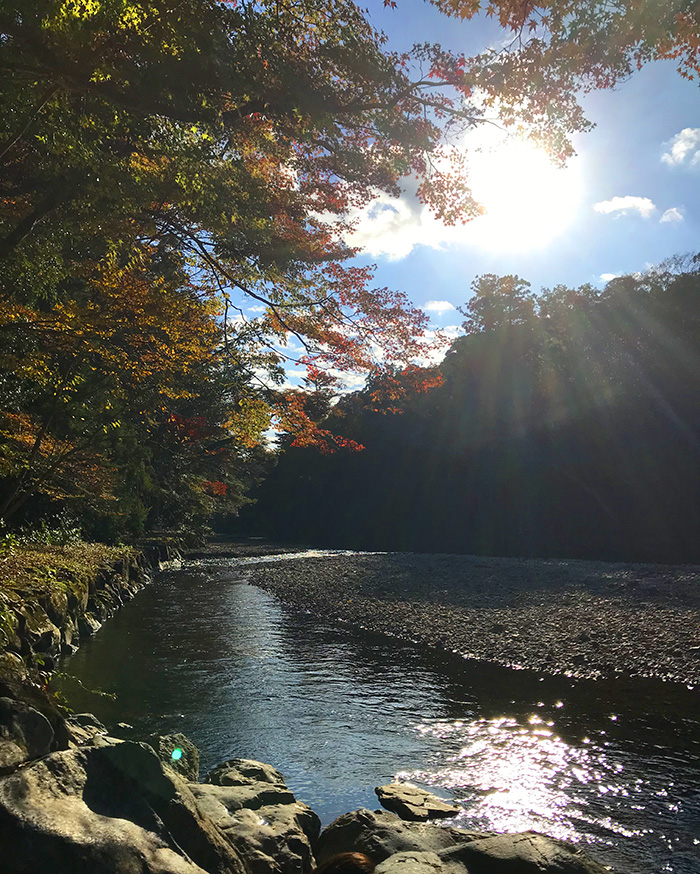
(226, 143)
(560, 47)
(498, 302)
(126, 380)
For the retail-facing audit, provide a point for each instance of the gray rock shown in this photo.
(88, 720)
(107, 809)
(525, 853)
(38, 631)
(251, 796)
(258, 784)
(243, 772)
(17, 685)
(412, 848)
(380, 834)
(83, 727)
(70, 636)
(88, 625)
(178, 752)
(250, 803)
(275, 837)
(13, 670)
(414, 804)
(412, 863)
(25, 734)
(123, 730)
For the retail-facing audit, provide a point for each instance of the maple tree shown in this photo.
(121, 392)
(162, 161)
(560, 48)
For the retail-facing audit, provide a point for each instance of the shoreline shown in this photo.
(432, 599)
(580, 618)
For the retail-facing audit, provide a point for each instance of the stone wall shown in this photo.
(39, 628)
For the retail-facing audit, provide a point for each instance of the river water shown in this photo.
(613, 765)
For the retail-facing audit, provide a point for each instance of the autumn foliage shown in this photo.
(165, 167)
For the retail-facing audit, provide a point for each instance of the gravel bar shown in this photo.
(583, 618)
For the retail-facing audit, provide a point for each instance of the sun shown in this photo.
(529, 201)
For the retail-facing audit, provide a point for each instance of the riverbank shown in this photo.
(99, 804)
(51, 597)
(206, 631)
(584, 618)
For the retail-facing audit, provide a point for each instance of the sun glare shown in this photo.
(528, 199)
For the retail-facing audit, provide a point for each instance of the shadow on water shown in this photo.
(613, 763)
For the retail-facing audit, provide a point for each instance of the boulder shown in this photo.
(83, 727)
(55, 605)
(37, 631)
(88, 625)
(243, 772)
(380, 834)
(524, 853)
(88, 721)
(13, 672)
(25, 734)
(250, 803)
(178, 752)
(16, 684)
(112, 808)
(70, 636)
(414, 804)
(412, 863)
(418, 848)
(269, 837)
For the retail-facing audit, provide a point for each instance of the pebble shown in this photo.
(549, 615)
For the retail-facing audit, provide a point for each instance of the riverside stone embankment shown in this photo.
(585, 618)
(52, 597)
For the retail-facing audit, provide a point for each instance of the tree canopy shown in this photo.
(163, 160)
(574, 432)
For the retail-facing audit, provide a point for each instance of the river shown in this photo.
(614, 764)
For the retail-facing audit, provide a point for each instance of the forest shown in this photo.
(564, 424)
(164, 166)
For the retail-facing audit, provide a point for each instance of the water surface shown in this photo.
(612, 764)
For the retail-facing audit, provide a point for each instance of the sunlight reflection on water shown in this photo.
(511, 775)
(287, 556)
(608, 764)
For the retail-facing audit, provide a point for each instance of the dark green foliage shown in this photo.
(572, 430)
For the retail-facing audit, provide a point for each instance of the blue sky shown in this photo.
(637, 123)
(629, 199)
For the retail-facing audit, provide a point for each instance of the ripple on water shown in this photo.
(517, 774)
(340, 711)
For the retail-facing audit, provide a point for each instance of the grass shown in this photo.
(28, 572)
(31, 573)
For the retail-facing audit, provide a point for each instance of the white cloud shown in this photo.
(626, 204)
(608, 277)
(436, 349)
(684, 148)
(350, 381)
(395, 226)
(528, 201)
(257, 309)
(438, 306)
(672, 215)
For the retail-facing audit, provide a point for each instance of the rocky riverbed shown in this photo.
(584, 618)
(91, 803)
